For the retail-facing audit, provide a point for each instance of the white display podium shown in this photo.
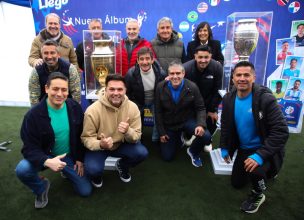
(219, 165)
(110, 163)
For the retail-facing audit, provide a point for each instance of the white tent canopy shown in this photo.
(17, 34)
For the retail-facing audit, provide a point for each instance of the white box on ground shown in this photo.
(219, 165)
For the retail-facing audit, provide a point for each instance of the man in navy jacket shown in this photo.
(51, 139)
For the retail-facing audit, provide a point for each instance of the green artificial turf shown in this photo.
(158, 190)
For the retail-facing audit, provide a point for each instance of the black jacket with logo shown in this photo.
(209, 82)
(270, 123)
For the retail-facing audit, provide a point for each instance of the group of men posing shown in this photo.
(57, 135)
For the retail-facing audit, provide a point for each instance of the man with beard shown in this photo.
(207, 74)
(52, 32)
(294, 93)
(52, 63)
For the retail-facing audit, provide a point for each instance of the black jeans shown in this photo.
(240, 177)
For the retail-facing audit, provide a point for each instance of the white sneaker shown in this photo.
(208, 148)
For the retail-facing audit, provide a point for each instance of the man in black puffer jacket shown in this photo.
(253, 124)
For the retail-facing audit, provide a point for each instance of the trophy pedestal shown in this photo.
(92, 95)
(110, 163)
(219, 165)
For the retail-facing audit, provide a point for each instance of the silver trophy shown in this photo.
(103, 61)
(246, 38)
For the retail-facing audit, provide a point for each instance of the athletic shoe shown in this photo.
(97, 182)
(42, 200)
(253, 202)
(123, 172)
(196, 160)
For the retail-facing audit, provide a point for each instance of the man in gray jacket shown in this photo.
(167, 45)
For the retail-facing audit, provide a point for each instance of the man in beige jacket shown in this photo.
(112, 127)
(52, 32)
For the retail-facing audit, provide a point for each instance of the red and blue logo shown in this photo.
(282, 2)
(294, 7)
(202, 7)
(68, 25)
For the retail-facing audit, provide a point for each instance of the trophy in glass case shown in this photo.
(245, 38)
(102, 57)
(103, 61)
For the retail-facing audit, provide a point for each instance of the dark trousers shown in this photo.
(131, 154)
(211, 126)
(240, 177)
(169, 148)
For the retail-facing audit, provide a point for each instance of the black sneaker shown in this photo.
(123, 172)
(97, 182)
(252, 204)
(42, 200)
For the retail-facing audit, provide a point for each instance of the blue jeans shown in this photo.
(28, 175)
(130, 154)
(169, 148)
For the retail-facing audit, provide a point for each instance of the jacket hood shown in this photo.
(103, 99)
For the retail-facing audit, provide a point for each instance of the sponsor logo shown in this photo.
(57, 4)
(289, 110)
(202, 7)
(184, 26)
(192, 16)
(68, 24)
(141, 16)
(260, 115)
(294, 7)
